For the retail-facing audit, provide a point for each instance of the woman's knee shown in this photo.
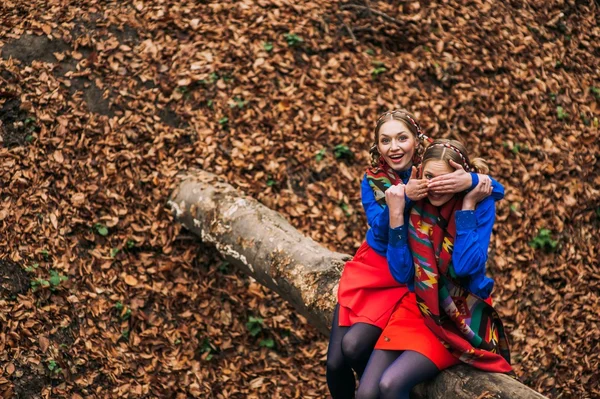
(393, 386)
(355, 349)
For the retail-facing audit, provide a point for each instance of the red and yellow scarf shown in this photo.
(467, 325)
(380, 178)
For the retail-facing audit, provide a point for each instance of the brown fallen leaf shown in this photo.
(44, 343)
(130, 280)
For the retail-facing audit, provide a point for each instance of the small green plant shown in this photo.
(267, 343)
(101, 229)
(552, 96)
(320, 154)
(125, 334)
(32, 267)
(207, 347)
(45, 254)
(29, 138)
(370, 52)
(177, 341)
(56, 278)
(375, 72)
(114, 252)
(292, 39)
(240, 103)
(123, 315)
(561, 114)
(254, 325)
(267, 46)
(345, 208)
(29, 121)
(223, 121)
(596, 92)
(39, 282)
(224, 267)
(183, 90)
(544, 241)
(53, 367)
(270, 181)
(341, 151)
(209, 104)
(426, 49)
(130, 244)
(213, 77)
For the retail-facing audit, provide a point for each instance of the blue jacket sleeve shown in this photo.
(378, 216)
(497, 188)
(399, 256)
(473, 233)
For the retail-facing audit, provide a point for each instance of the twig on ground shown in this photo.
(376, 12)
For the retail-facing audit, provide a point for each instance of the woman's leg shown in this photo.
(378, 363)
(408, 370)
(340, 378)
(358, 344)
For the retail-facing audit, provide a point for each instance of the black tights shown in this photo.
(349, 348)
(392, 374)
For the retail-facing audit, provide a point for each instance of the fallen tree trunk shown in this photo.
(263, 244)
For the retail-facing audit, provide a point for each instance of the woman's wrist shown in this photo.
(467, 182)
(396, 219)
(468, 205)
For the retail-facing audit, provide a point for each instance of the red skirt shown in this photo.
(367, 292)
(406, 330)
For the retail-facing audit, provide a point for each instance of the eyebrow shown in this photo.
(395, 134)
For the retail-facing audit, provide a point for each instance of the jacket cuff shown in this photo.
(474, 181)
(398, 236)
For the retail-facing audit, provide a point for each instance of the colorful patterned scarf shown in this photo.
(381, 178)
(467, 325)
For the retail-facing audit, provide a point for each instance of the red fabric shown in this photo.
(367, 292)
(406, 330)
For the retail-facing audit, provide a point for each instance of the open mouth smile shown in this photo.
(397, 158)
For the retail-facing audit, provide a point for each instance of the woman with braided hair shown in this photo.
(439, 251)
(367, 291)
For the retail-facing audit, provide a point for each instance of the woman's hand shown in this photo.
(416, 189)
(394, 197)
(455, 182)
(478, 194)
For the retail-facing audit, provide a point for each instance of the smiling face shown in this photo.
(433, 168)
(396, 144)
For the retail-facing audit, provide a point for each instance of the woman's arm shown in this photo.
(378, 216)
(399, 256)
(473, 233)
(460, 180)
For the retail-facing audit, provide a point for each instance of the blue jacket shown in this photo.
(473, 232)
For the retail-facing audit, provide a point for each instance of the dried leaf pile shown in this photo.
(102, 104)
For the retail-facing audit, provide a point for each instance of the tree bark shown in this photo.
(264, 245)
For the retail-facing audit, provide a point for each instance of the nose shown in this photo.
(395, 144)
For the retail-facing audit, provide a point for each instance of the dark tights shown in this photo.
(392, 374)
(349, 349)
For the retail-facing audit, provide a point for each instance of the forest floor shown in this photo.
(103, 102)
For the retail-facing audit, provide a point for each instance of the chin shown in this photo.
(439, 201)
(398, 167)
